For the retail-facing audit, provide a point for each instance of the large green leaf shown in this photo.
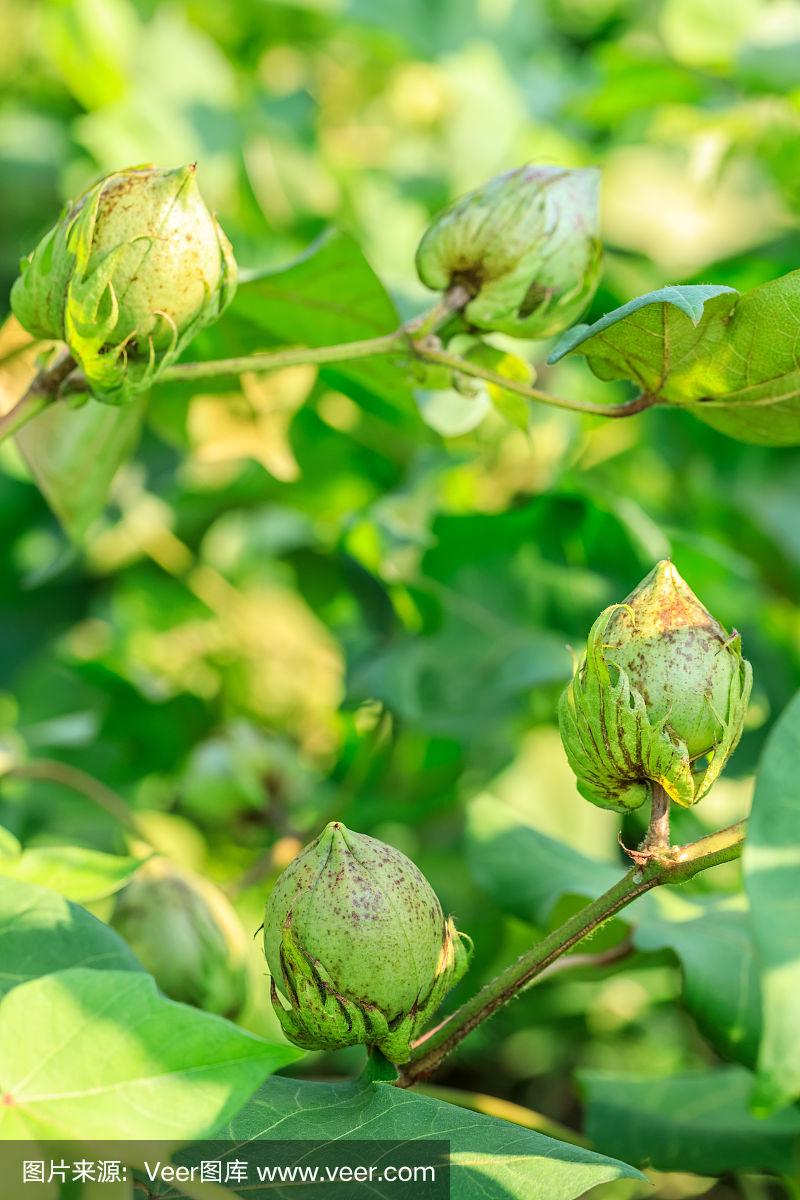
(772, 880)
(489, 1157)
(711, 937)
(478, 587)
(41, 932)
(74, 454)
(74, 871)
(699, 1123)
(101, 1054)
(327, 296)
(422, 680)
(526, 873)
(734, 361)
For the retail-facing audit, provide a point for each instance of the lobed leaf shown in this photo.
(653, 339)
(327, 296)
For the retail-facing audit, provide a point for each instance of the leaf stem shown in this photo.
(424, 325)
(675, 866)
(416, 338)
(429, 353)
(278, 359)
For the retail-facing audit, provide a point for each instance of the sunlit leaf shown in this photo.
(487, 1156)
(78, 873)
(772, 880)
(515, 408)
(100, 1054)
(650, 339)
(41, 932)
(732, 360)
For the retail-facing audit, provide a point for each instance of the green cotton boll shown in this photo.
(660, 697)
(526, 247)
(187, 935)
(357, 945)
(128, 275)
(676, 655)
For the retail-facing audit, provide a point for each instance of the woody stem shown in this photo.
(657, 837)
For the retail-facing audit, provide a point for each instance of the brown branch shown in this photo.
(43, 391)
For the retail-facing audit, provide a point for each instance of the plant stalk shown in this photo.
(415, 338)
(656, 840)
(658, 830)
(626, 409)
(279, 359)
(675, 866)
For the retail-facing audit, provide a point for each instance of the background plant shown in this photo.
(306, 599)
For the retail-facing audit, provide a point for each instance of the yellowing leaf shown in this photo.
(512, 406)
(253, 423)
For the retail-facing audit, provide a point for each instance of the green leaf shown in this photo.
(327, 296)
(101, 1054)
(77, 873)
(41, 932)
(10, 847)
(74, 454)
(489, 1157)
(699, 1123)
(478, 588)
(515, 408)
(526, 873)
(711, 937)
(733, 361)
(754, 372)
(772, 881)
(422, 680)
(649, 339)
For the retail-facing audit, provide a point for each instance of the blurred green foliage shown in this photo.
(303, 601)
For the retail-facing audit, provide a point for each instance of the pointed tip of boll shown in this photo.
(335, 836)
(661, 578)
